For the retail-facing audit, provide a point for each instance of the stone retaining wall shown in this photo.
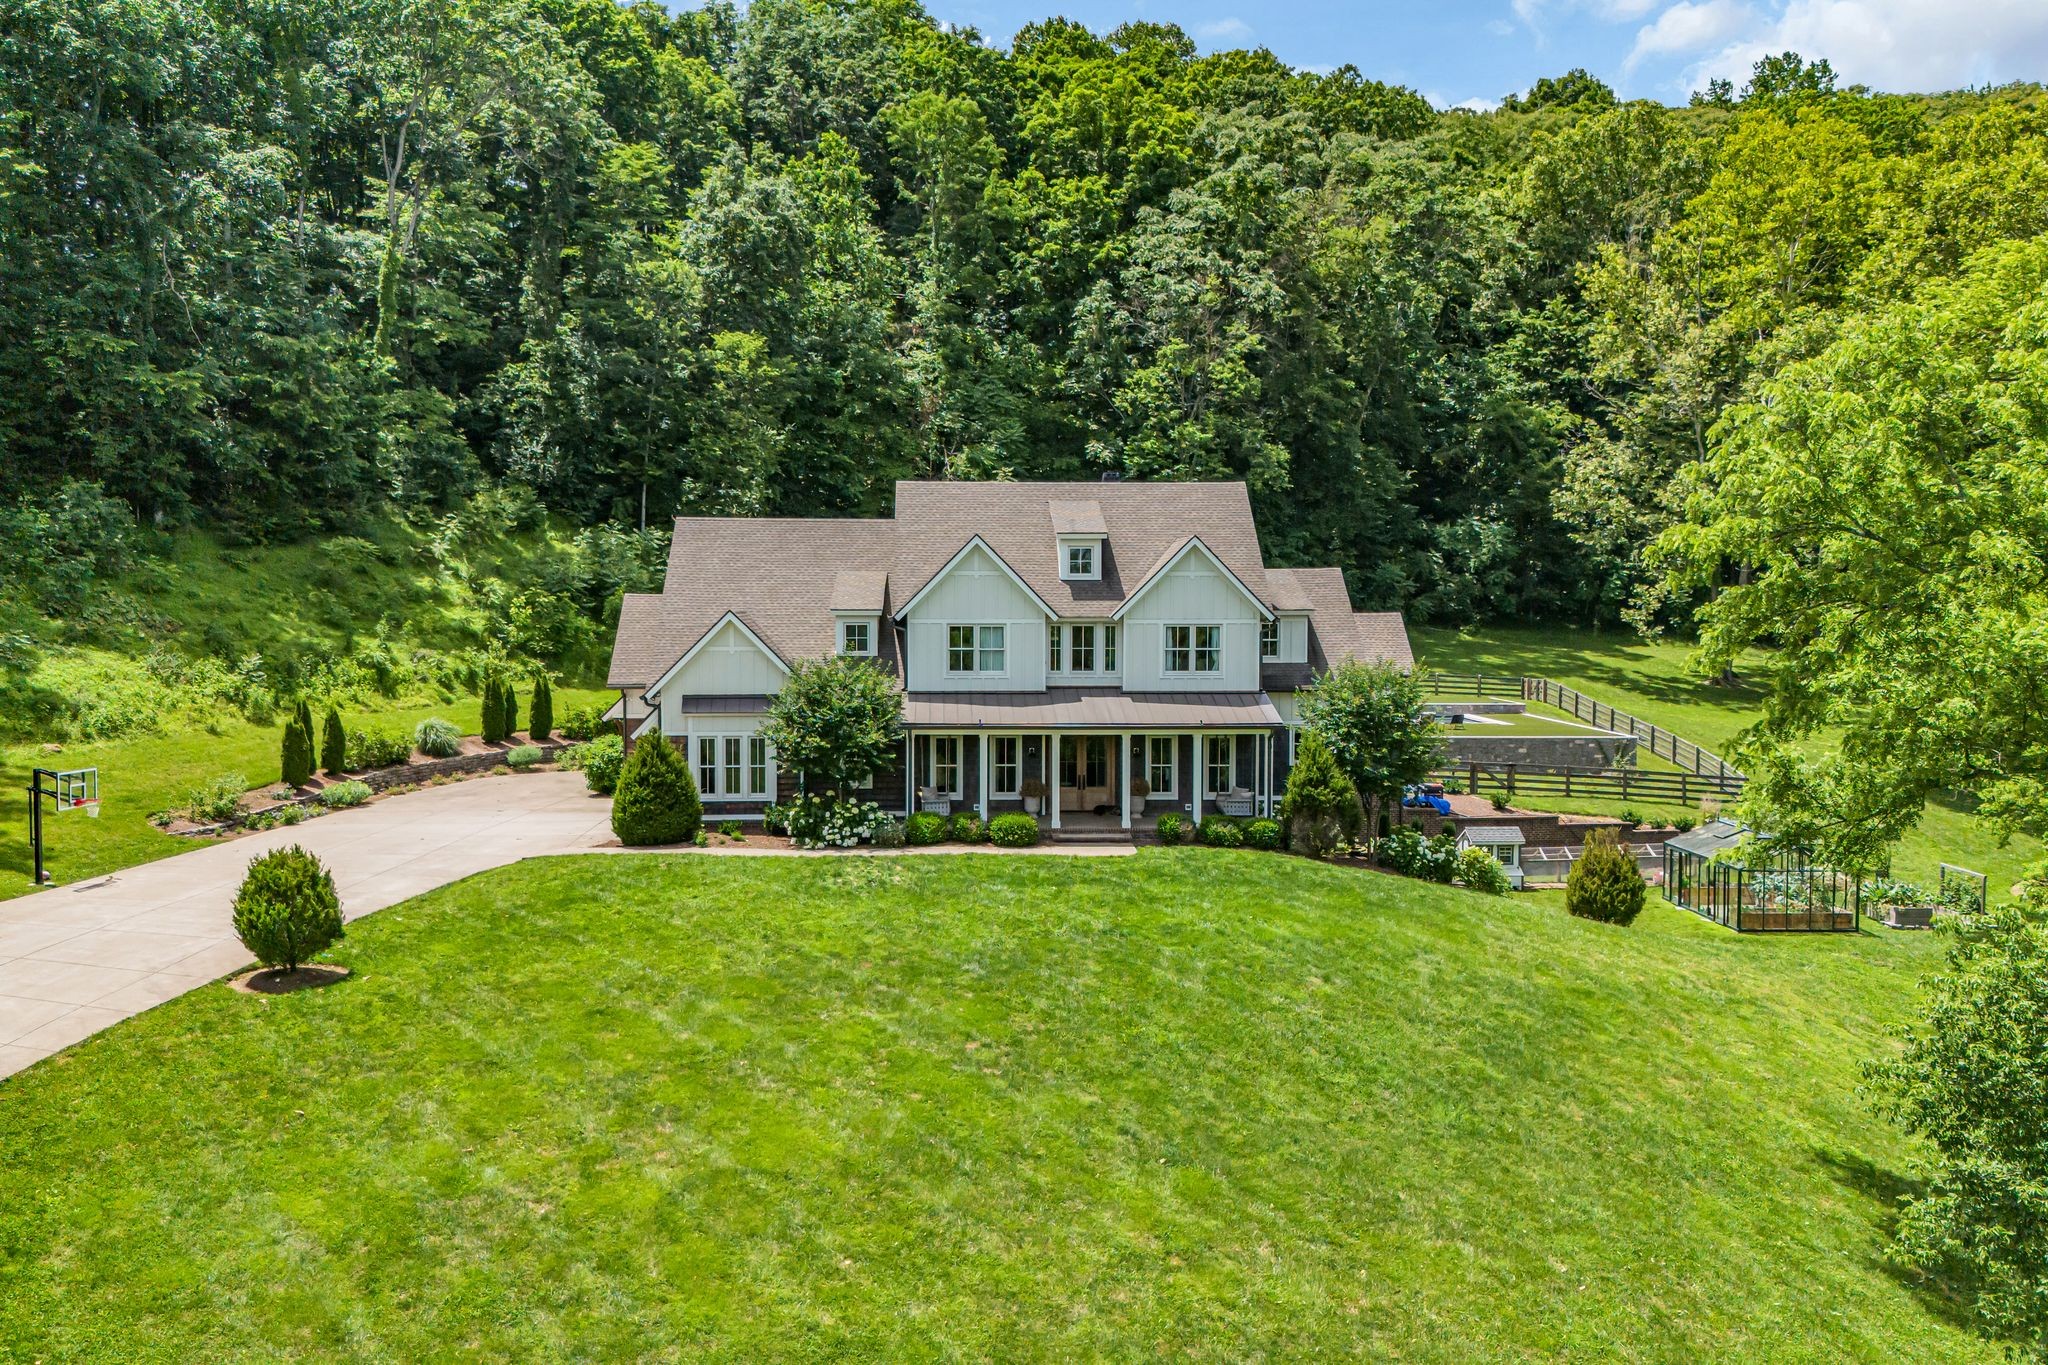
(402, 774)
(1551, 751)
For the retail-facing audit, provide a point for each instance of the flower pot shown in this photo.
(1031, 805)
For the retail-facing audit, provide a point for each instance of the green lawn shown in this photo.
(156, 772)
(1215, 1105)
(1653, 680)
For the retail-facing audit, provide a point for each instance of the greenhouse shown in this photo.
(1755, 884)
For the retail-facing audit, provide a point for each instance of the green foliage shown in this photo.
(732, 829)
(1371, 717)
(541, 719)
(286, 910)
(508, 716)
(924, 828)
(1971, 1079)
(333, 744)
(1478, 870)
(523, 756)
(583, 722)
(217, 800)
(342, 795)
(491, 705)
(656, 801)
(295, 756)
(836, 721)
(368, 749)
(1220, 831)
(437, 738)
(965, 827)
(1605, 883)
(600, 759)
(814, 821)
(1013, 829)
(1263, 834)
(1171, 827)
(1409, 853)
(1320, 806)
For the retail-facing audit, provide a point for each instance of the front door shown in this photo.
(1084, 773)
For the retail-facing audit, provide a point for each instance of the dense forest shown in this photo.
(270, 270)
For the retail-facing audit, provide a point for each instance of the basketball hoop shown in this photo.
(67, 789)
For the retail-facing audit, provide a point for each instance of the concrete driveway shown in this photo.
(75, 959)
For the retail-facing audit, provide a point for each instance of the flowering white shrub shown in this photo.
(821, 822)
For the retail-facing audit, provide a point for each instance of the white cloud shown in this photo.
(1903, 45)
(1690, 28)
(1224, 31)
(1478, 105)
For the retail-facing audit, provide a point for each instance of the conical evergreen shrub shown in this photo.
(509, 699)
(333, 744)
(295, 754)
(656, 801)
(493, 727)
(540, 720)
(1321, 807)
(1605, 884)
(305, 714)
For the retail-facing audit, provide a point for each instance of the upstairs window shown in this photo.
(1194, 649)
(1109, 649)
(1269, 639)
(1081, 648)
(976, 649)
(1078, 561)
(856, 637)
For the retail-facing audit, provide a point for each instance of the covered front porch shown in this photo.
(1098, 766)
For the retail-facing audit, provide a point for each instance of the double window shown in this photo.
(734, 768)
(1218, 768)
(1081, 649)
(976, 649)
(1194, 649)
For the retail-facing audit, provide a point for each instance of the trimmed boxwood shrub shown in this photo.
(1605, 884)
(1264, 834)
(334, 744)
(523, 757)
(437, 738)
(367, 749)
(965, 827)
(1172, 827)
(342, 795)
(1013, 829)
(1220, 831)
(286, 909)
(657, 798)
(924, 828)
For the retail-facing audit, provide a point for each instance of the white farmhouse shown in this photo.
(1121, 648)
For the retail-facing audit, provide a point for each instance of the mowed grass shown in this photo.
(1191, 1103)
(1655, 680)
(158, 772)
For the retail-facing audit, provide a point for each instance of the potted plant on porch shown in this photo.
(1033, 792)
(1141, 790)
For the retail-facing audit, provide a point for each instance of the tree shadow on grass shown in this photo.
(1946, 1297)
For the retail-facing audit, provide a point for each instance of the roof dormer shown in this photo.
(1078, 532)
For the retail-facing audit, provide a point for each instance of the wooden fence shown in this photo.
(1661, 742)
(1474, 685)
(1529, 779)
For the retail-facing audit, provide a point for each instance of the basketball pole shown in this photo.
(36, 793)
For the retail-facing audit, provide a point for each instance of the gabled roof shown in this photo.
(1337, 632)
(1141, 523)
(732, 619)
(974, 543)
(1078, 518)
(778, 574)
(1191, 545)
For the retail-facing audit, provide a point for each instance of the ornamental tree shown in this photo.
(836, 721)
(286, 909)
(333, 744)
(1605, 884)
(1371, 717)
(1320, 808)
(657, 801)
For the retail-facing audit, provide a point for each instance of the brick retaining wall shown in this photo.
(1553, 751)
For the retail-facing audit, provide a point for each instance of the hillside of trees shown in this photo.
(273, 271)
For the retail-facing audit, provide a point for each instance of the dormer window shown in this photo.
(857, 638)
(1080, 562)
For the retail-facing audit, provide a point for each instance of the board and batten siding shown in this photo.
(1192, 593)
(976, 591)
(728, 665)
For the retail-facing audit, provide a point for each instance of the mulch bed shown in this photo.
(277, 981)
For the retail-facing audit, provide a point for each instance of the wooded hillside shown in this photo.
(275, 269)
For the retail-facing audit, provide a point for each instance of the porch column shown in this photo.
(1201, 772)
(1123, 768)
(1052, 780)
(909, 774)
(982, 756)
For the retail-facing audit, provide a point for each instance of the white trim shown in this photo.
(977, 627)
(1193, 543)
(1172, 789)
(747, 738)
(973, 541)
(1067, 546)
(1015, 793)
(866, 623)
(705, 639)
(1194, 650)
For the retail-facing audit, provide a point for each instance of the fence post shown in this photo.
(1511, 781)
(1473, 784)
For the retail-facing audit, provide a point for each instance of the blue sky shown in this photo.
(1475, 51)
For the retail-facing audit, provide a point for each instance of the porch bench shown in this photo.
(1237, 802)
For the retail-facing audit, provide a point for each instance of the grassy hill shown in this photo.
(1189, 1103)
(1653, 680)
